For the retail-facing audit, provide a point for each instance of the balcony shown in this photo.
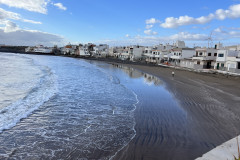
(152, 55)
(204, 58)
(175, 57)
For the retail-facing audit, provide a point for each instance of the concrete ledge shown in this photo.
(226, 151)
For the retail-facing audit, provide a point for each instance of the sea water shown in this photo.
(62, 108)
(55, 107)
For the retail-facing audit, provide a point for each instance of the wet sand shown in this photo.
(212, 106)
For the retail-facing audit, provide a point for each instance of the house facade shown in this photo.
(178, 54)
(136, 53)
(101, 50)
(228, 60)
(83, 50)
(205, 58)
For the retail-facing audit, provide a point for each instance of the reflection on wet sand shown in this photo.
(133, 73)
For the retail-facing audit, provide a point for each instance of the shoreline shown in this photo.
(211, 102)
(114, 60)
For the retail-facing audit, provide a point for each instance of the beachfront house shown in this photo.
(180, 44)
(228, 60)
(136, 53)
(233, 48)
(111, 51)
(147, 53)
(69, 50)
(122, 53)
(29, 49)
(187, 63)
(166, 54)
(178, 54)
(159, 53)
(83, 50)
(152, 55)
(117, 51)
(101, 50)
(205, 58)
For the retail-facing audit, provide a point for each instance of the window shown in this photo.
(209, 54)
(198, 62)
(174, 54)
(200, 53)
(179, 54)
(222, 64)
(220, 55)
(215, 54)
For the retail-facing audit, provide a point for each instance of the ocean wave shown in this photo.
(40, 93)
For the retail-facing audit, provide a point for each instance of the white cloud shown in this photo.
(14, 16)
(150, 32)
(218, 30)
(223, 33)
(220, 14)
(31, 21)
(8, 15)
(127, 35)
(188, 36)
(153, 40)
(60, 6)
(39, 6)
(12, 34)
(172, 22)
(149, 26)
(29, 37)
(152, 21)
(10, 26)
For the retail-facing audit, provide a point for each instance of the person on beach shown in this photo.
(173, 74)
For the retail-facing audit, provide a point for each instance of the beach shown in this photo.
(211, 103)
(86, 109)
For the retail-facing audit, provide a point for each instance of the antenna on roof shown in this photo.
(209, 39)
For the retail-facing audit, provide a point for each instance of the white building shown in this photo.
(83, 50)
(111, 51)
(69, 50)
(39, 49)
(228, 60)
(180, 44)
(154, 56)
(159, 53)
(101, 50)
(123, 53)
(205, 58)
(233, 48)
(136, 53)
(178, 54)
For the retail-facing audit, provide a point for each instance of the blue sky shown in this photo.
(49, 22)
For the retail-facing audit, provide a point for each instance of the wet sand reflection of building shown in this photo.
(133, 73)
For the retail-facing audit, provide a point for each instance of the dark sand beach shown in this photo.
(212, 106)
(180, 117)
